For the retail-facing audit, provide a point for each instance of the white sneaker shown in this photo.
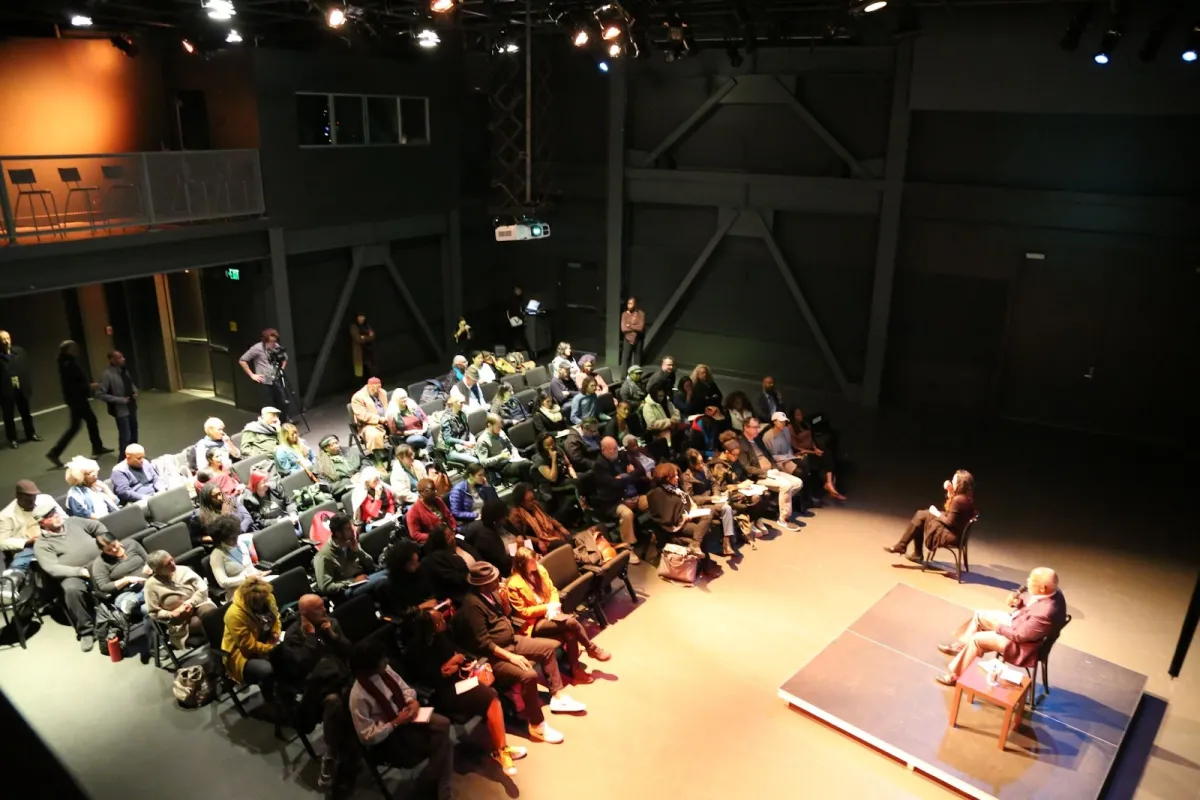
(565, 704)
(544, 733)
(633, 559)
(788, 525)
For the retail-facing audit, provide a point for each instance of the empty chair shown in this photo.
(517, 382)
(522, 435)
(477, 421)
(527, 398)
(537, 377)
(355, 437)
(432, 407)
(606, 374)
(175, 539)
(606, 404)
(415, 389)
(278, 546)
(295, 482)
(117, 185)
(574, 588)
(25, 180)
(70, 176)
(490, 390)
(125, 522)
(169, 507)
(244, 467)
(376, 540)
(290, 586)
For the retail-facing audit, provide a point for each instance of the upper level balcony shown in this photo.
(69, 197)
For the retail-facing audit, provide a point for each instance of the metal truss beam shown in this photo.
(357, 257)
(780, 192)
(409, 301)
(685, 127)
(283, 300)
(824, 134)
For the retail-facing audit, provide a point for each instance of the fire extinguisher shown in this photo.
(114, 648)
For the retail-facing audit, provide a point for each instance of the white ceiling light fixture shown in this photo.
(81, 20)
(867, 6)
(441, 6)
(428, 39)
(233, 37)
(219, 9)
(336, 18)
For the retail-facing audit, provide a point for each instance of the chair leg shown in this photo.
(966, 561)
(629, 585)
(957, 565)
(597, 608)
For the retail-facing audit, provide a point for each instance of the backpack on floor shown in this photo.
(192, 687)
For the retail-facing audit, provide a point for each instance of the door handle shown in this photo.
(1091, 373)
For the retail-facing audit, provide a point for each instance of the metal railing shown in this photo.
(47, 198)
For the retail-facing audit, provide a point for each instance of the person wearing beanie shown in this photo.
(267, 502)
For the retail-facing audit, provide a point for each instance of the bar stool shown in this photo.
(25, 180)
(114, 181)
(70, 176)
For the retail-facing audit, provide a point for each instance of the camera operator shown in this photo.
(263, 363)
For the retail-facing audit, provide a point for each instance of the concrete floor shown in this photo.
(687, 706)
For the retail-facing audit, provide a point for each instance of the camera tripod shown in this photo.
(289, 394)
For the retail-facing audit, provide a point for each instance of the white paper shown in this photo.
(512, 548)
(515, 322)
(268, 577)
(466, 686)
(424, 714)
(699, 512)
(754, 491)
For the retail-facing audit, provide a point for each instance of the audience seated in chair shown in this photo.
(372, 500)
(267, 503)
(738, 410)
(817, 462)
(176, 595)
(407, 587)
(625, 421)
(769, 401)
(611, 498)
(65, 549)
(642, 462)
(563, 358)
(531, 524)
(119, 573)
(1016, 635)
(705, 391)
(215, 436)
(336, 466)
(683, 396)
(19, 528)
(548, 416)
(406, 473)
(538, 612)
(582, 443)
(697, 483)
(556, 479)
(293, 454)
(631, 389)
(587, 369)
(407, 421)
(489, 535)
(664, 377)
(314, 660)
(252, 627)
(562, 387)
(458, 369)
(506, 406)
(211, 504)
(484, 629)
(729, 478)
(89, 497)
(673, 511)
(384, 709)
(469, 392)
(934, 527)
(498, 455)
(457, 443)
(706, 429)
(342, 568)
(428, 513)
(584, 404)
(445, 560)
(433, 659)
(230, 560)
(658, 406)
(487, 374)
(369, 405)
(260, 437)
(468, 495)
(219, 474)
(135, 479)
(761, 469)
(777, 441)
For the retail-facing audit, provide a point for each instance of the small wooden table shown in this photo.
(974, 682)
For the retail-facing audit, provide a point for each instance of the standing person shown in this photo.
(259, 365)
(362, 346)
(119, 391)
(15, 390)
(633, 330)
(77, 395)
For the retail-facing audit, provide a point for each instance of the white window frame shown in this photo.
(330, 104)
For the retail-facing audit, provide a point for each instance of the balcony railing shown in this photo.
(52, 198)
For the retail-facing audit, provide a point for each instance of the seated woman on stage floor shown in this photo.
(933, 528)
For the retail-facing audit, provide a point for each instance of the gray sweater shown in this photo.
(70, 553)
(106, 571)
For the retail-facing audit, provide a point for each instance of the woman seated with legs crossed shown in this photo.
(934, 527)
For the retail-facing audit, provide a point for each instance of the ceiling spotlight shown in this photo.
(233, 37)
(125, 45)
(336, 18)
(610, 32)
(603, 65)
(1192, 45)
(219, 9)
(867, 6)
(428, 38)
(507, 46)
(188, 47)
(441, 6)
(1108, 43)
(81, 21)
(1075, 28)
(615, 50)
(581, 37)
(613, 20)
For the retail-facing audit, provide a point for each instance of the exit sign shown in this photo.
(233, 274)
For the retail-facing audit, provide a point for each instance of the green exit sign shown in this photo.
(233, 274)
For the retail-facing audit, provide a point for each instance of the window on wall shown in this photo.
(353, 120)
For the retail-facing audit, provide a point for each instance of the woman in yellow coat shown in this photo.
(251, 633)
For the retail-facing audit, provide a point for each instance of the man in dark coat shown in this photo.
(77, 394)
(15, 390)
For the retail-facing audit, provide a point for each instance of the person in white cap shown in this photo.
(65, 551)
(261, 436)
(761, 468)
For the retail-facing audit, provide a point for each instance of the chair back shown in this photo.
(490, 391)
(294, 482)
(357, 617)
(536, 377)
(432, 407)
(290, 587)
(306, 517)
(1048, 643)
(170, 505)
(69, 174)
(194, 560)
(21, 177)
(527, 398)
(125, 522)
(560, 565)
(376, 540)
(244, 467)
(237, 439)
(522, 434)
(607, 374)
(517, 382)
(414, 390)
(348, 504)
(607, 404)
(276, 541)
(112, 172)
(477, 421)
(966, 534)
(175, 539)
(213, 623)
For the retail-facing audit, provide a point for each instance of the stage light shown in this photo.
(1108, 43)
(1192, 45)
(1100, 58)
(615, 50)
(233, 37)
(219, 9)
(867, 6)
(603, 65)
(81, 21)
(441, 6)
(610, 32)
(336, 18)
(125, 45)
(581, 37)
(188, 47)
(428, 38)
(613, 20)
(1076, 27)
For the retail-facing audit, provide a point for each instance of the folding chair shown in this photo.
(125, 522)
(244, 467)
(278, 546)
(170, 507)
(294, 482)
(517, 382)
(376, 540)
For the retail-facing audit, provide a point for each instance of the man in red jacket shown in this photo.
(1017, 634)
(428, 512)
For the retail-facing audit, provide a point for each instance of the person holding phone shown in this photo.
(386, 717)
(344, 569)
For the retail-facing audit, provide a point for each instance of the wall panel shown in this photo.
(38, 323)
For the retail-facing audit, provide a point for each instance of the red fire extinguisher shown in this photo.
(114, 648)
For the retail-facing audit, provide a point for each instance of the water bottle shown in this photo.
(994, 674)
(114, 648)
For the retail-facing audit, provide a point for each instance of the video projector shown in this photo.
(522, 231)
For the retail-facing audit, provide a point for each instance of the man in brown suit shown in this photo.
(1016, 635)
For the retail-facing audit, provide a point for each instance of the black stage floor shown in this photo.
(875, 682)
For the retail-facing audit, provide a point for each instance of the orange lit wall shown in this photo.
(78, 96)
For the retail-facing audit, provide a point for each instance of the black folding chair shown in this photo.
(278, 546)
(289, 587)
(244, 467)
(295, 482)
(169, 507)
(575, 588)
(306, 517)
(125, 522)
(376, 540)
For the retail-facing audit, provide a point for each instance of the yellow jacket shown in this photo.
(527, 605)
(241, 640)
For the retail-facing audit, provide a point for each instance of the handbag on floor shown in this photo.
(192, 687)
(677, 563)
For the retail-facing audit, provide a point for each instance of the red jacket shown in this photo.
(1030, 626)
(422, 520)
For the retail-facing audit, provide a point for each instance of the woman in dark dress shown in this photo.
(433, 661)
(446, 560)
(486, 535)
(935, 528)
(817, 462)
(705, 391)
(408, 588)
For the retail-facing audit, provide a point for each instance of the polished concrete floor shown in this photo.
(687, 706)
